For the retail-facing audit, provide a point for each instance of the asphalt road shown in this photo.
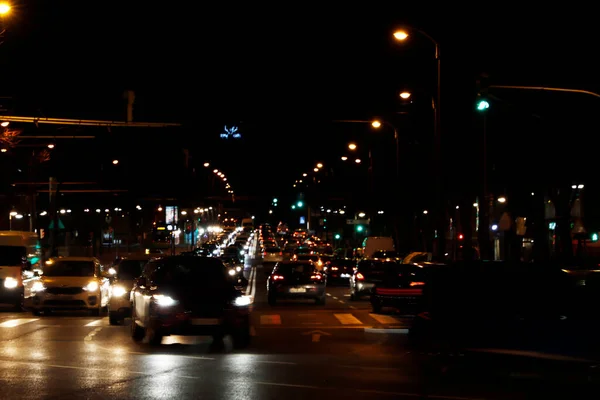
(299, 350)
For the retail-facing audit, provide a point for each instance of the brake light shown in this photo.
(417, 284)
(316, 277)
(360, 276)
(277, 277)
(264, 253)
(281, 253)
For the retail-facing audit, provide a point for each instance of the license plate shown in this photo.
(206, 321)
(297, 290)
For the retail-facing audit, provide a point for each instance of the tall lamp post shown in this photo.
(401, 35)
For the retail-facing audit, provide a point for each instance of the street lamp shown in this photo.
(405, 95)
(319, 165)
(352, 146)
(5, 9)
(401, 35)
(378, 124)
(115, 162)
(344, 158)
(206, 165)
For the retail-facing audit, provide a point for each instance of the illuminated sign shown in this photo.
(230, 133)
(171, 213)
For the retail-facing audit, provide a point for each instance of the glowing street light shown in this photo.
(344, 158)
(405, 95)
(319, 165)
(51, 146)
(376, 124)
(115, 162)
(352, 146)
(4, 8)
(316, 169)
(400, 35)
(206, 165)
(358, 161)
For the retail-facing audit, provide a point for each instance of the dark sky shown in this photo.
(287, 70)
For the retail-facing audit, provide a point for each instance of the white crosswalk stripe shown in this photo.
(273, 319)
(11, 323)
(384, 319)
(347, 319)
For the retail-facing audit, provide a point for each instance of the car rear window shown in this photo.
(295, 268)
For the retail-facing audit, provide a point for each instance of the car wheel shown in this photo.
(137, 332)
(241, 337)
(114, 319)
(272, 299)
(321, 300)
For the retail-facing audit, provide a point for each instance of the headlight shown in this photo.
(10, 283)
(37, 287)
(112, 271)
(118, 291)
(238, 268)
(92, 286)
(242, 252)
(243, 301)
(232, 272)
(164, 301)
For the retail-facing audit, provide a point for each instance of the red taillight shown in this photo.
(360, 276)
(277, 277)
(281, 253)
(316, 277)
(264, 253)
(417, 284)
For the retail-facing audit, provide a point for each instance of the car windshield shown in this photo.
(191, 271)
(295, 269)
(130, 269)
(70, 268)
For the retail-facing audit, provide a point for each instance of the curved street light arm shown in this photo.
(545, 89)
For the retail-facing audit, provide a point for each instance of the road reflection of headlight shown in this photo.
(10, 283)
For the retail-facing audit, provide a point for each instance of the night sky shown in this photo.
(284, 73)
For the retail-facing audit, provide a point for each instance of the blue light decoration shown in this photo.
(230, 133)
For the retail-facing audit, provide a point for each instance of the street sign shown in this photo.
(357, 221)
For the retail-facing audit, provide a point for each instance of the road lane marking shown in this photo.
(98, 322)
(287, 385)
(341, 301)
(283, 327)
(97, 369)
(384, 319)
(274, 319)
(347, 319)
(328, 294)
(401, 331)
(334, 297)
(352, 307)
(11, 323)
(347, 295)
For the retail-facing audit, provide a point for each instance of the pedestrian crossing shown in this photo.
(356, 319)
(330, 319)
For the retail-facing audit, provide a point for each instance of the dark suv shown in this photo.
(188, 296)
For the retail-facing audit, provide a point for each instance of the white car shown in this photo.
(124, 272)
(70, 283)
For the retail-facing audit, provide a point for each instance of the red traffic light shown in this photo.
(461, 237)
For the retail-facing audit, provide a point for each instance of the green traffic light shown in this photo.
(338, 236)
(594, 237)
(359, 228)
(275, 200)
(482, 105)
(299, 204)
(293, 206)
